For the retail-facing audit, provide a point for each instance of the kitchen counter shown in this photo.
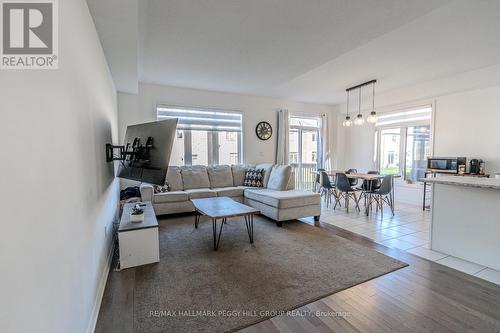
(489, 183)
(465, 218)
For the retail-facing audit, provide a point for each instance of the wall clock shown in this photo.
(264, 130)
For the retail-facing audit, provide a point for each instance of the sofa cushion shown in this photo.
(239, 172)
(230, 191)
(195, 177)
(279, 177)
(174, 178)
(200, 193)
(284, 199)
(175, 196)
(220, 176)
(267, 171)
(254, 178)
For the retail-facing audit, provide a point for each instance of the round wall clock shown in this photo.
(264, 130)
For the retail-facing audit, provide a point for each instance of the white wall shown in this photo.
(467, 124)
(58, 192)
(466, 119)
(142, 107)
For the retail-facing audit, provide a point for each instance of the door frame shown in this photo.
(301, 130)
(403, 132)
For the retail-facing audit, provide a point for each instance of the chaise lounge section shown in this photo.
(277, 199)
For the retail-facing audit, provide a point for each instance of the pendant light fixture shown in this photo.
(347, 122)
(359, 118)
(372, 118)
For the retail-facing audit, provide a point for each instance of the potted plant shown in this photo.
(137, 214)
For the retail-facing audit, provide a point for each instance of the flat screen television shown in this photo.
(146, 151)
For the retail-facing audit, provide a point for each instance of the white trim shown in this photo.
(100, 290)
(433, 127)
(196, 108)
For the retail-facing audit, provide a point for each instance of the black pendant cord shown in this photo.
(359, 103)
(373, 97)
(348, 97)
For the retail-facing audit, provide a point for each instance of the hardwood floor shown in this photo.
(423, 297)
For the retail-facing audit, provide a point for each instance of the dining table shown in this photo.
(368, 177)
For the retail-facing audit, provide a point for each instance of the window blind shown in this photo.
(417, 114)
(201, 119)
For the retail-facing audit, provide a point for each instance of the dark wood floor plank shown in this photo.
(424, 309)
(356, 316)
(470, 299)
(265, 326)
(451, 310)
(335, 322)
(399, 319)
(296, 324)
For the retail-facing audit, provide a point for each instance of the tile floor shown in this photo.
(408, 230)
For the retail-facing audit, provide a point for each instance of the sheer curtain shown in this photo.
(283, 148)
(324, 160)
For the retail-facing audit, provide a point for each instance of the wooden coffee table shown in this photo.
(222, 208)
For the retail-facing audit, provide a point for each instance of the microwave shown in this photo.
(445, 164)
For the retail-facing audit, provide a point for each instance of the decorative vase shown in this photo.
(136, 218)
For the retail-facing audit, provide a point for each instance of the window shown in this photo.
(204, 136)
(304, 149)
(417, 151)
(390, 145)
(403, 142)
(390, 158)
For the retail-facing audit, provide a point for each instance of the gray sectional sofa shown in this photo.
(277, 199)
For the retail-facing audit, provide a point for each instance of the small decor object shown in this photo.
(264, 130)
(137, 214)
(254, 177)
(161, 189)
(461, 169)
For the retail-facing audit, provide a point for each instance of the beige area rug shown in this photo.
(197, 289)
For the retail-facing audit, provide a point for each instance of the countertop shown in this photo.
(149, 218)
(491, 183)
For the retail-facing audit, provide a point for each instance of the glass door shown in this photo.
(304, 148)
(308, 158)
(417, 151)
(390, 150)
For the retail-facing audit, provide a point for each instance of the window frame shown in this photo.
(300, 130)
(212, 136)
(403, 128)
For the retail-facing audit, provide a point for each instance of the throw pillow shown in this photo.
(254, 177)
(279, 177)
(161, 189)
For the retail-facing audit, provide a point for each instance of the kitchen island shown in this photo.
(466, 218)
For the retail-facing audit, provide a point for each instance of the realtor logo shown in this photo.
(29, 34)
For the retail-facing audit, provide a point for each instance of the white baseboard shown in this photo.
(100, 290)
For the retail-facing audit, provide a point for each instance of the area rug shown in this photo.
(197, 289)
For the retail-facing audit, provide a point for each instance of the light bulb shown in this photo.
(372, 118)
(347, 122)
(359, 120)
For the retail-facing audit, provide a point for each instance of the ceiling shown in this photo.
(305, 50)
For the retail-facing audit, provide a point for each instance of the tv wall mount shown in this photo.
(136, 153)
